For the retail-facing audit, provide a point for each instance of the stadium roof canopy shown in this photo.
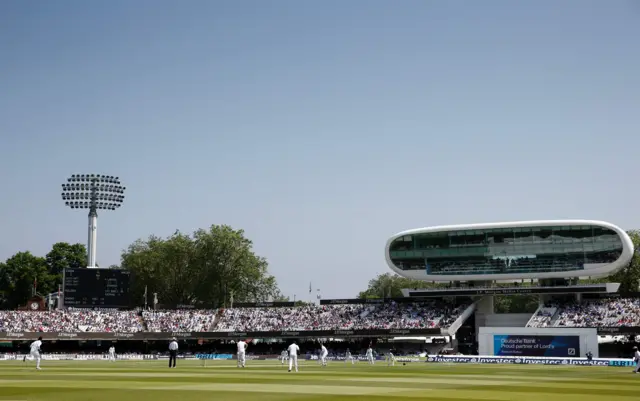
(540, 249)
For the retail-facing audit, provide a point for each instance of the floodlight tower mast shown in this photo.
(93, 192)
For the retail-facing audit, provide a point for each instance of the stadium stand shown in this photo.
(337, 317)
(600, 313)
(311, 317)
(179, 320)
(611, 312)
(542, 318)
(72, 320)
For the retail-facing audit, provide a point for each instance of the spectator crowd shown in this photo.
(72, 320)
(389, 315)
(600, 313)
(179, 320)
(614, 312)
(310, 317)
(340, 317)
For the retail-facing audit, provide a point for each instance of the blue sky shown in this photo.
(319, 127)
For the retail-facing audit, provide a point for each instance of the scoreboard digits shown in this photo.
(96, 288)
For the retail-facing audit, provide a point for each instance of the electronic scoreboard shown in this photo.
(95, 288)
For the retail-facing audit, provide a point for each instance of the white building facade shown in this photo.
(541, 249)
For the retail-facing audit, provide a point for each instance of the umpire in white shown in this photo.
(173, 353)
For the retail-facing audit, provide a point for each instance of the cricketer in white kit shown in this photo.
(284, 355)
(242, 348)
(112, 354)
(293, 355)
(348, 357)
(323, 355)
(636, 359)
(35, 351)
(391, 359)
(369, 356)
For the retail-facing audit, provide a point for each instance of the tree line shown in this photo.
(389, 285)
(209, 268)
(24, 273)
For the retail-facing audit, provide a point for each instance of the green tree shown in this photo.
(281, 298)
(20, 275)
(206, 268)
(64, 255)
(389, 285)
(527, 303)
(4, 286)
(629, 276)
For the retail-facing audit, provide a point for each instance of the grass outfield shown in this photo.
(269, 381)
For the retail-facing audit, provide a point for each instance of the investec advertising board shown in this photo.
(615, 362)
(536, 345)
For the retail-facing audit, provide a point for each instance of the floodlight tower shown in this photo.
(93, 192)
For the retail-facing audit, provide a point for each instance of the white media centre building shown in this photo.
(552, 252)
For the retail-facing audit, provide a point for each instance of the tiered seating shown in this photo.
(543, 317)
(601, 313)
(311, 317)
(71, 320)
(336, 317)
(179, 320)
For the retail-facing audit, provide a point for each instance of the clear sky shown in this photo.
(319, 127)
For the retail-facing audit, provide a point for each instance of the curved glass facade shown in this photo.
(506, 250)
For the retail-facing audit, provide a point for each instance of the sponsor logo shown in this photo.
(407, 359)
(529, 361)
(263, 304)
(68, 335)
(17, 335)
(181, 334)
(123, 335)
(215, 356)
(343, 332)
(589, 363)
(399, 331)
(622, 363)
(338, 301)
(238, 334)
(289, 333)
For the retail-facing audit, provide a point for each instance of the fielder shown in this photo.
(391, 359)
(369, 356)
(323, 355)
(293, 355)
(284, 356)
(348, 357)
(636, 359)
(35, 351)
(242, 347)
(112, 354)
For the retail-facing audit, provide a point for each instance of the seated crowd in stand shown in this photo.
(179, 320)
(311, 317)
(72, 320)
(590, 313)
(337, 317)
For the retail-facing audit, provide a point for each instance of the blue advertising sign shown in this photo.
(214, 356)
(532, 345)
